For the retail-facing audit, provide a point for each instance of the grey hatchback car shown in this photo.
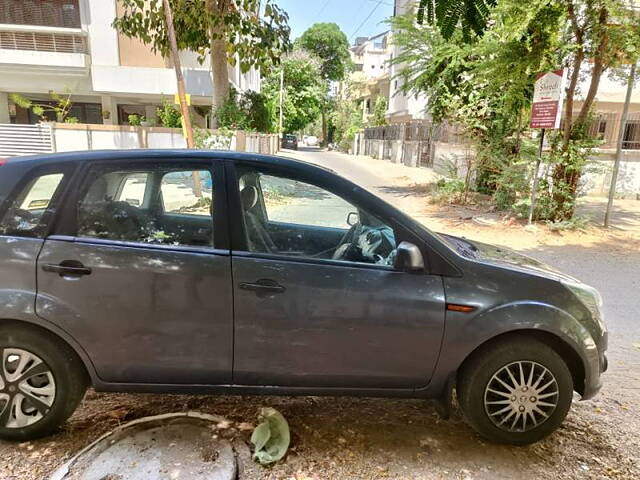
(216, 272)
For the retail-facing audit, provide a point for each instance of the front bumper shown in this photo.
(597, 364)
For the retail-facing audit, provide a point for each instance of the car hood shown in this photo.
(503, 257)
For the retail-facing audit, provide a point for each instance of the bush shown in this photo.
(136, 120)
(169, 115)
(249, 111)
(448, 190)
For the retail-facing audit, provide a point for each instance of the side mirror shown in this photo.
(408, 258)
(353, 218)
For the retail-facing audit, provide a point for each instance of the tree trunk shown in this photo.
(566, 175)
(218, 56)
(598, 66)
(324, 128)
(219, 76)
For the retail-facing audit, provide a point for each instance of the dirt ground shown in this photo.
(361, 438)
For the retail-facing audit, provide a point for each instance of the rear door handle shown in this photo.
(263, 286)
(67, 268)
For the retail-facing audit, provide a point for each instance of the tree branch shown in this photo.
(578, 31)
(598, 65)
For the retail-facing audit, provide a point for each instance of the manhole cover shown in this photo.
(173, 446)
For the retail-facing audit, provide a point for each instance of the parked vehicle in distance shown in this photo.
(189, 271)
(311, 141)
(290, 141)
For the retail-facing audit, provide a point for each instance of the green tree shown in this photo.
(378, 117)
(485, 84)
(304, 90)
(223, 29)
(330, 45)
(169, 115)
(248, 111)
(470, 15)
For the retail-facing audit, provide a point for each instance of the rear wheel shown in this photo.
(41, 383)
(516, 391)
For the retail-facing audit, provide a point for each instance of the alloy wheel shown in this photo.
(521, 396)
(27, 388)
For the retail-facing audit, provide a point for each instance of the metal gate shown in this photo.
(18, 139)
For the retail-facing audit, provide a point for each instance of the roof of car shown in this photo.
(162, 154)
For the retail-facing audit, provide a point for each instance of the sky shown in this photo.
(356, 18)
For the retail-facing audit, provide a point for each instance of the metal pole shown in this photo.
(534, 188)
(281, 97)
(616, 164)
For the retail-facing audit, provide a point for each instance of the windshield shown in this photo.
(459, 245)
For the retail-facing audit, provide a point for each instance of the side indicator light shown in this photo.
(453, 307)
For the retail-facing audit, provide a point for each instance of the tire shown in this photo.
(41, 379)
(479, 382)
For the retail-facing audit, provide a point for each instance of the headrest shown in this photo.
(98, 191)
(249, 197)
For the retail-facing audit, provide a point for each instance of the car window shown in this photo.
(301, 203)
(285, 216)
(187, 193)
(121, 204)
(133, 189)
(24, 216)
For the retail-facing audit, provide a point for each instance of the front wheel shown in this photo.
(41, 383)
(515, 391)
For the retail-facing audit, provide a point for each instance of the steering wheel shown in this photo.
(348, 243)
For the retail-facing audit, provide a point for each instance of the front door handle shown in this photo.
(67, 268)
(265, 286)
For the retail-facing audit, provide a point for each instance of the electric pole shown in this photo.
(616, 164)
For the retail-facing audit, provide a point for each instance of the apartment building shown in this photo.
(370, 78)
(402, 107)
(69, 46)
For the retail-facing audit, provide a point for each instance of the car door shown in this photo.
(138, 271)
(312, 312)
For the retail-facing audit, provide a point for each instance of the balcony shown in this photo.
(43, 41)
(25, 46)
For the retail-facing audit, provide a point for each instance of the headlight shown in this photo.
(590, 298)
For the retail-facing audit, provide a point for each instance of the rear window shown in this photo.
(24, 217)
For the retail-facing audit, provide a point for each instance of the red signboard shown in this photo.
(547, 100)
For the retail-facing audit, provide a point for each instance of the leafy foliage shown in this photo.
(136, 120)
(249, 111)
(304, 90)
(447, 15)
(220, 139)
(60, 109)
(327, 42)
(378, 117)
(258, 40)
(345, 121)
(484, 84)
(169, 115)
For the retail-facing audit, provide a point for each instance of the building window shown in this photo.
(45, 13)
(125, 110)
(631, 139)
(602, 128)
(84, 112)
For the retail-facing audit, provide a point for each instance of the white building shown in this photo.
(370, 78)
(69, 46)
(402, 107)
(371, 55)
